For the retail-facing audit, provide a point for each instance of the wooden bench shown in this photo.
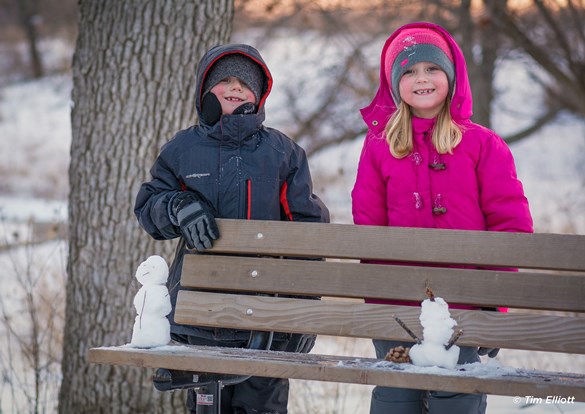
(546, 300)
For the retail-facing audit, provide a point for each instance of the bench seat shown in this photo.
(475, 378)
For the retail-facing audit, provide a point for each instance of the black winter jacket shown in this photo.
(244, 169)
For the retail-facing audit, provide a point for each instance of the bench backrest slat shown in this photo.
(531, 290)
(541, 251)
(491, 329)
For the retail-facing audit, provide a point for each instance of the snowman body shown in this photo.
(437, 330)
(152, 304)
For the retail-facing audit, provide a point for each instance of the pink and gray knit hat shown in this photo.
(416, 45)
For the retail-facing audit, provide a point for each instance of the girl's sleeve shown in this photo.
(369, 200)
(153, 202)
(504, 205)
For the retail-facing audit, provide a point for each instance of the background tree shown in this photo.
(481, 44)
(488, 33)
(552, 34)
(31, 22)
(133, 87)
(357, 30)
(25, 17)
(321, 110)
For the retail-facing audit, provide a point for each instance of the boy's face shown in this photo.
(232, 93)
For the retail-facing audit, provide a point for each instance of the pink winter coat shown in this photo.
(475, 188)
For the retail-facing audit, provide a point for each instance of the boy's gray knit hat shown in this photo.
(241, 67)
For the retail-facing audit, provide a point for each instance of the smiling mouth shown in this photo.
(233, 99)
(424, 91)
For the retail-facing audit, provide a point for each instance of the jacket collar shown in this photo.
(422, 125)
(235, 130)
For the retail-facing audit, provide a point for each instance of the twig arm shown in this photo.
(407, 329)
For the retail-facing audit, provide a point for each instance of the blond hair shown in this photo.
(446, 133)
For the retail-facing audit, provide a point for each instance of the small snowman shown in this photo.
(435, 349)
(153, 304)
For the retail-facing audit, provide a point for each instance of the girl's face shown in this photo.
(232, 93)
(425, 88)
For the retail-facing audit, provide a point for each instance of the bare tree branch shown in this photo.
(538, 30)
(560, 37)
(336, 140)
(539, 123)
(577, 17)
(529, 34)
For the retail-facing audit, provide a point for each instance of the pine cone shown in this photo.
(398, 354)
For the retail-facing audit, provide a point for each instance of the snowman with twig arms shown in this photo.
(437, 348)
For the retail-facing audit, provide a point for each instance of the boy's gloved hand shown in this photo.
(491, 352)
(195, 218)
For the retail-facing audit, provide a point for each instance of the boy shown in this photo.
(229, 166)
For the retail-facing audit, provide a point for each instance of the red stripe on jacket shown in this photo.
(249, 203)
(284, 202)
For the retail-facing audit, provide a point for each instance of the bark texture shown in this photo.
(133, 88)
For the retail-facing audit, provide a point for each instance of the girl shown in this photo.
(425, 164)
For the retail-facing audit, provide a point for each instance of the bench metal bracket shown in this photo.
(207, 385)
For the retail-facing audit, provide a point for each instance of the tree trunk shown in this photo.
(480, 31)
(133, 88)
(28, 11)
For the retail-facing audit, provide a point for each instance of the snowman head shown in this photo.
(153, 271)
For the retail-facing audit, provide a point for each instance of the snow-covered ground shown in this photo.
(34, 153)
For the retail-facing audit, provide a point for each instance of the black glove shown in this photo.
(307, 343)
(195, 217)
(491, 352)
(302, 343)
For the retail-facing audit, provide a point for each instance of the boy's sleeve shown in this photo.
(298, 203)
(502, 198)
(153, 202)
(368, 197)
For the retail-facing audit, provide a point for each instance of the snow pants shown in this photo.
(256, 395)
(387, 400)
